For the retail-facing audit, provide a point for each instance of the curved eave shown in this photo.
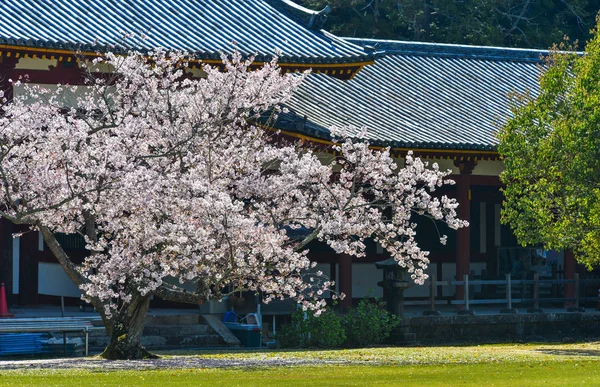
(92, 49)
(436, 150)
(337, 68)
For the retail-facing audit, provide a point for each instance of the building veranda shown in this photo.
(443, 102)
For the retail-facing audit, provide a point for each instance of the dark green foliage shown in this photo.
(308, 331)
(551, 150)
(510, 23)
(369, 324)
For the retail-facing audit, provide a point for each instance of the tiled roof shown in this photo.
(202, 26)
(420, 95)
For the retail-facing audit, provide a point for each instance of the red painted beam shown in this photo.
(463, 235)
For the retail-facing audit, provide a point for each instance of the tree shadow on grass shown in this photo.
(569, 352)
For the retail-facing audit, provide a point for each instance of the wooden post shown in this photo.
(576, 290)
(7, 66)
(576, 307)
(536, 290)
(466, 309)
(508, 291)
(463, 235)
(432, 292)
(466, 277)
(509, 307)
(536, 294)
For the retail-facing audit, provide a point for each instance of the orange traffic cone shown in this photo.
(3, 306)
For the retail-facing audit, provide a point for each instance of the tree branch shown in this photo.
(180, 295)
(61, 256)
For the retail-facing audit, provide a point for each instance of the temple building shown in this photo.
(444, 102)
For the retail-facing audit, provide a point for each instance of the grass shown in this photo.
(487, 365)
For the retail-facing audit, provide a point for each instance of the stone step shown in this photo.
(176, 330)
(167, 331)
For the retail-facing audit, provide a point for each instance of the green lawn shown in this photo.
(491, 365)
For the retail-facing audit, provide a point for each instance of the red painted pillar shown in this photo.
(463, 235)
(7, 64)
(569, 274)
(6, 258)
(29, 258)
(345, 279)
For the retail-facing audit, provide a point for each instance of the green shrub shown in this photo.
(369, 324)
(308, 331)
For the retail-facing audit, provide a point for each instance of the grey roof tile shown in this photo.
(421, 95)
(205, 27)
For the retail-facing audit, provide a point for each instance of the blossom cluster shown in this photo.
(172, 177)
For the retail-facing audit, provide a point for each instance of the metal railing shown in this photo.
(528, 291)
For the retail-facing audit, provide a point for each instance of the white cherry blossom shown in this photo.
(171, 177)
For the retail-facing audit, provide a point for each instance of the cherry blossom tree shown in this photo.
(172, 177)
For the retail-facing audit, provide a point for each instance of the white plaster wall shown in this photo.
(101, 67)
(196, 72)
(448, 274)
(483, 167)
(67, 97)
(53, 281)
(477, 268)
(365, 277)
(446, 164)
(364, 280)
(420, 290)
(35, 64)
(488, 168)
(399, 161)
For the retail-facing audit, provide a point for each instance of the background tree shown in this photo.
(509, 23)
(166, 176)
(551, 150)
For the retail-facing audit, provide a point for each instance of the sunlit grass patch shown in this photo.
(421, 355)
(483, 365)
(478, 374)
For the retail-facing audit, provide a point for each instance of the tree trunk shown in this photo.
(125, 330)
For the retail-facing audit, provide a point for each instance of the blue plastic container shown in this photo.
(249, 334)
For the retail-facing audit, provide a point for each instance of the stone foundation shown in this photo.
(507, 327)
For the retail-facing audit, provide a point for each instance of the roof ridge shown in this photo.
(386, 47)
(309, 11)
(310, 18)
